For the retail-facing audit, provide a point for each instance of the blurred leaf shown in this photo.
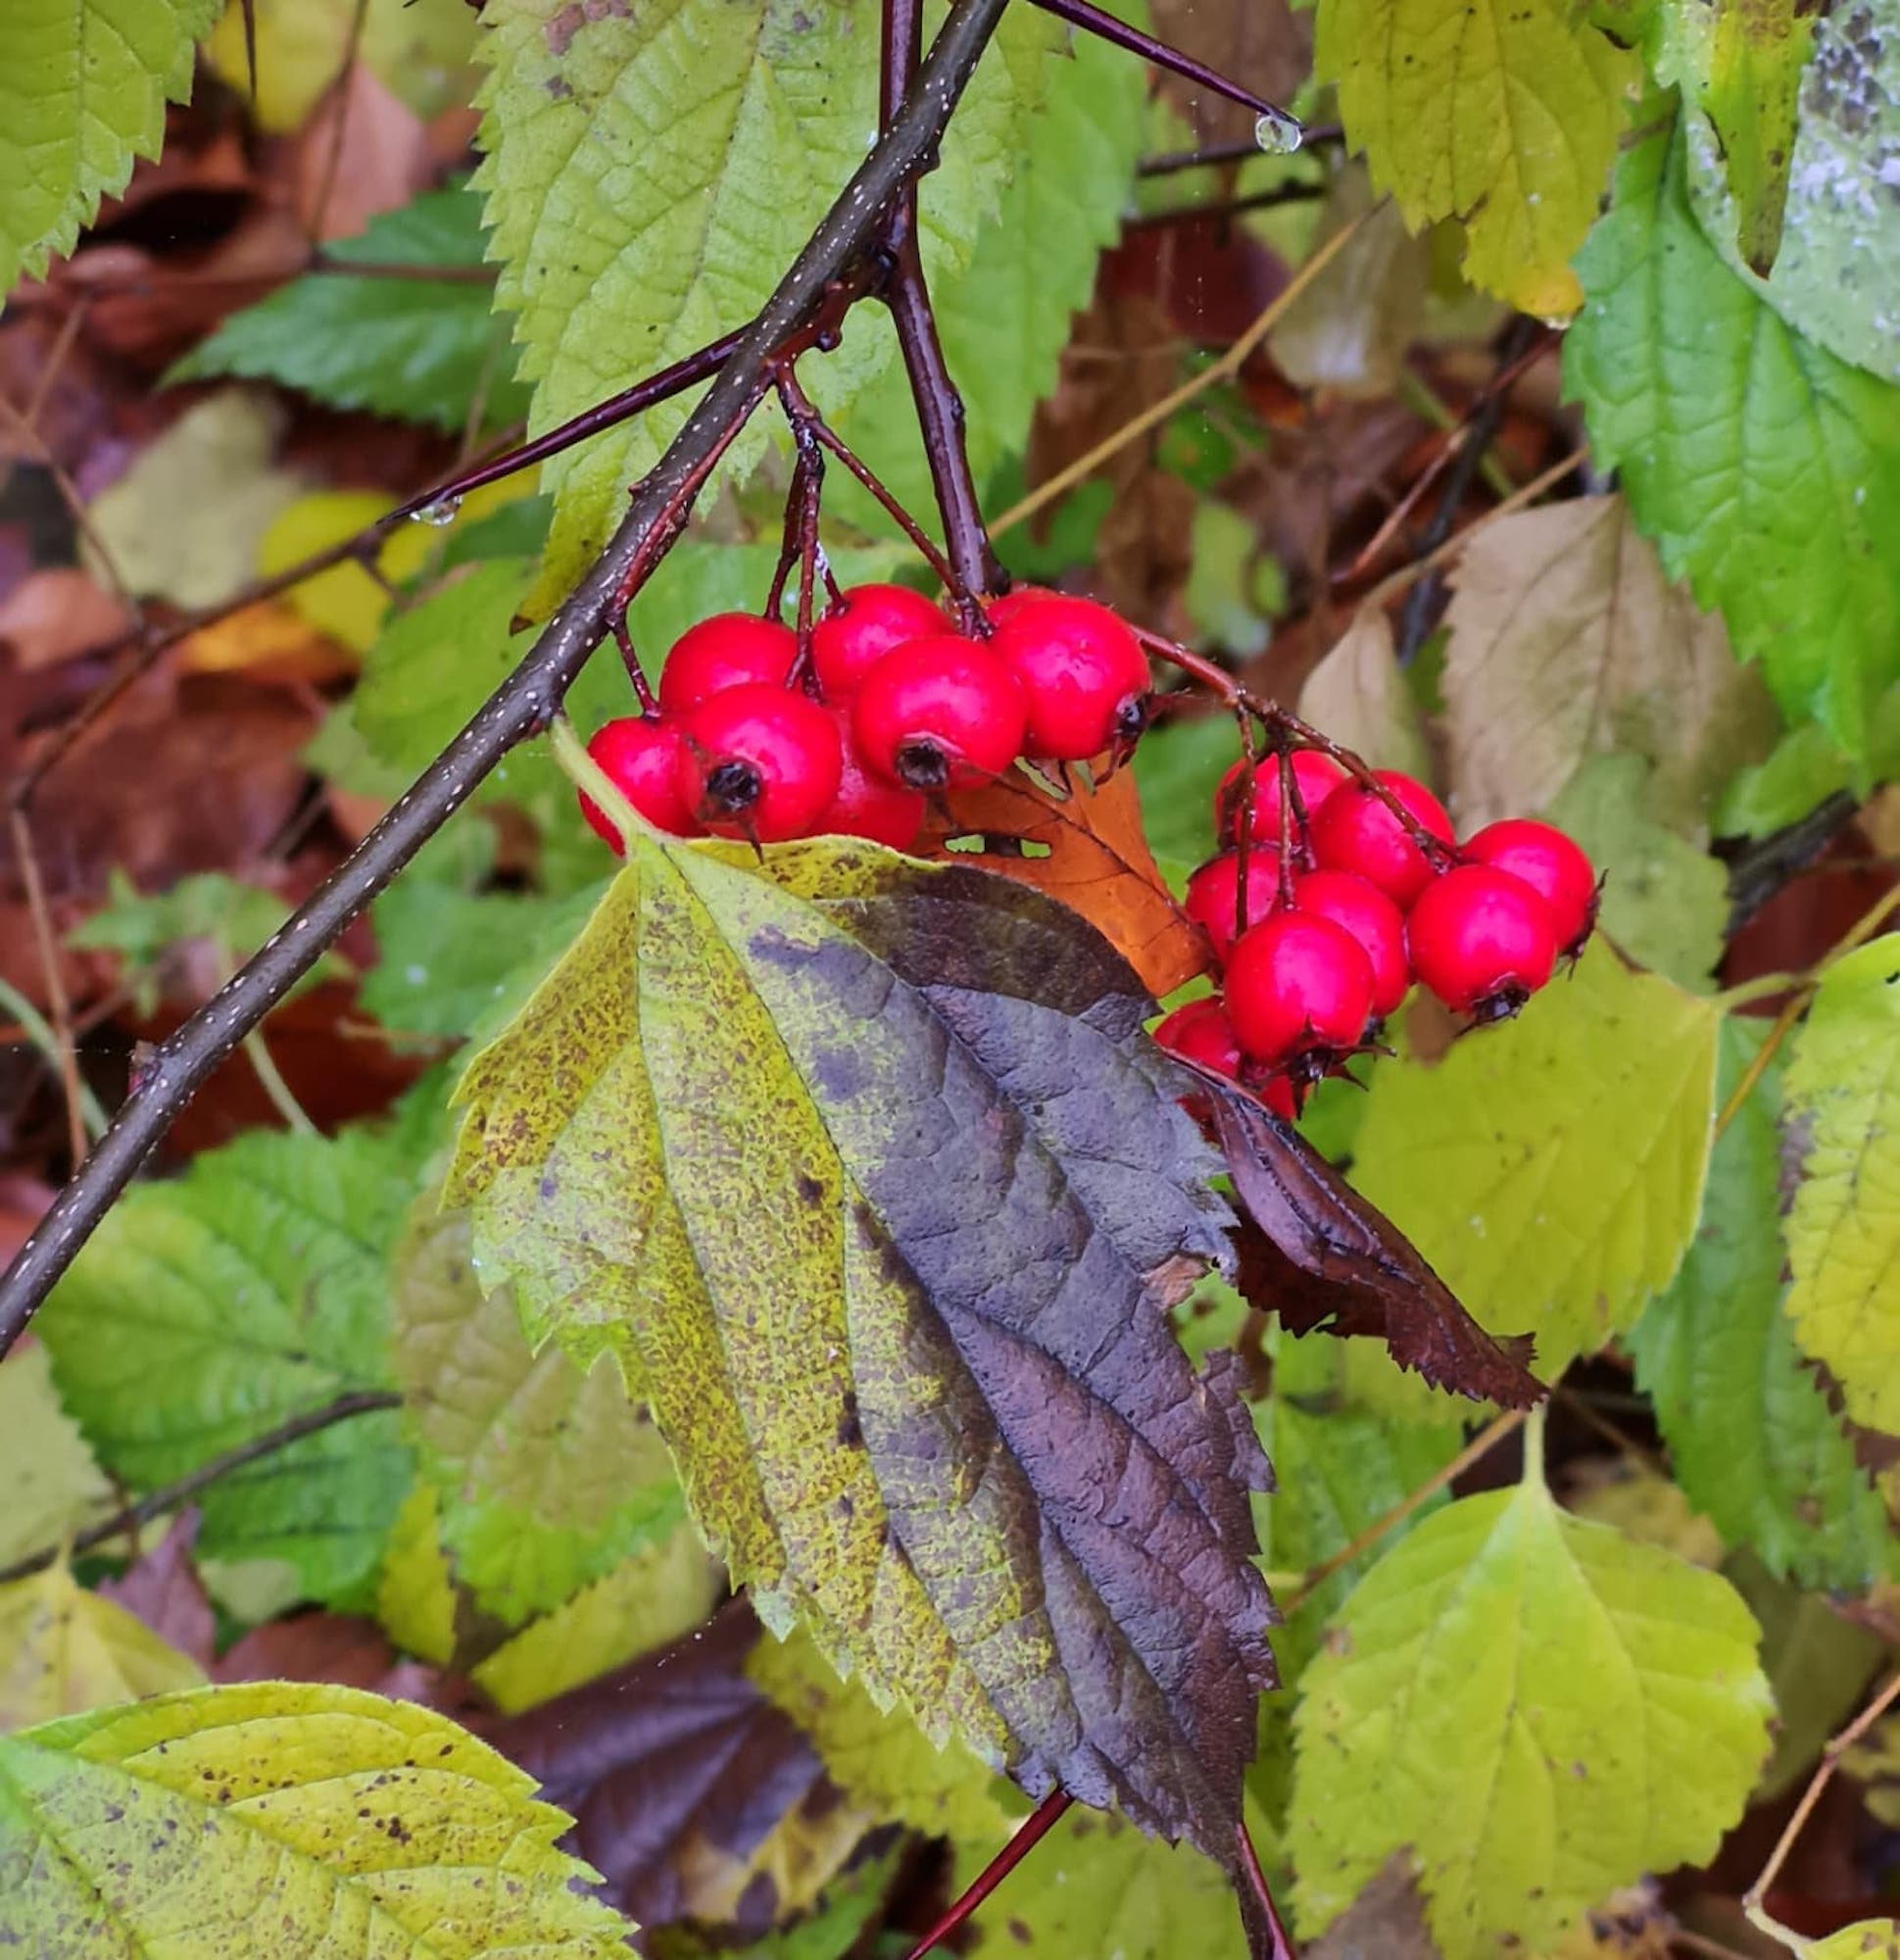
(1359, 695)
(1870, 1939)
(1843, 1225)
(162, 1590)
(244, 1822)
(1386, 1922)
(1505, 1661)
(64, 1650)
(1234, 586)
(839, 1920)
(1552, 1169)
(1643, 1505)
(53, 1483)
(415, 1594)
(85, 87)
(1804, 769)
(403, 346)
(1178, 766)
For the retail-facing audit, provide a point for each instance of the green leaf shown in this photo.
(1804, 769)
(211, 1309)
(1751, 1437)
(1504, 115)
(1766, 471)
(626, 155)
(1542, 1708)
(964, 1164)
(83, 85)
(415, 348)
(1552, 1171)
(63, 1649)
(1843, 1227)
(1178, 767)
(52, 1483)
(1868, 1940)
(358, 1823)
(548, 1474)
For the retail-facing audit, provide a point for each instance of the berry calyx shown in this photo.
(1482, 940)
(1371, 917)
(1553, 866)
(641, 759)
(1315, 778)
(1354, 831)
(860, 626)
(1202, 1033)
(866, 805)
(1213, 892)
(1297, 984)
(728, 650)
(938, 714)
(1083, 677)
(760, 761)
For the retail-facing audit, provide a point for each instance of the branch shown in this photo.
(528, 699)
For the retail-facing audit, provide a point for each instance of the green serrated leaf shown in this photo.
(364, 1824)
(419, 348)
(1178, 767)
(626, 152)
(1751, 1437)
(888, 1334)
(1843, 1226)
(1542, 1708)
(1766, 471)
(1552, 1169)
(83, 85)
(53, 1483)
(1505, 116)
(208, 1310)
(64, 1650)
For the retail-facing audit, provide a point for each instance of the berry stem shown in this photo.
(630, 659)
(1029, 1834)
(1281, 1947)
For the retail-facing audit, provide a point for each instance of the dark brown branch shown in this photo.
(1229, 207)
(1170, 161)
(816, 286)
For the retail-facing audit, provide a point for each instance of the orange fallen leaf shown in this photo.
(268, 641)
(1093, 857)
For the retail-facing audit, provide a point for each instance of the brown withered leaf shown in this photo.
(335, 1648)
(1314, 1251)
(1090, 851)
(1386, 1922)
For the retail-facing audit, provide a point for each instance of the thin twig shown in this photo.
(1027, 1836)
(1231, 207)
(66, 1048)
(1170, 161)
(35, 1028)
(1256, 1880)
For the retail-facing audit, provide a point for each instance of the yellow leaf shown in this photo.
(64, 1650)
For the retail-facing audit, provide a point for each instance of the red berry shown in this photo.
(1277, 1092)
(1296, 982)
(1482, 940)
(1315, 777)
(866, 805)
(1083, 677)
(1202, 1033)
(728, 650)
(760, 761)
(1215, 886)
(861, 626)
(1554, 867)
(938, 714)
(1355, 832)
(641, 760)
(1371, 917)
(1003, 610)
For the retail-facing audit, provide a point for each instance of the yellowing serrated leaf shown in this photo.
(64, 1650)
(1539, 1707)
(1503, 113)
(1756, 50)
(415, 1596)
(52, 1482)
(1843, 1228)
(365, 1824)
(1870, 1939)
(1552, 1169)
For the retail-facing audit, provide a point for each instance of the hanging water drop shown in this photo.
(439, 515)
(1278, 133)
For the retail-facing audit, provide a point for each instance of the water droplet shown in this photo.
(439, 515)
(1278, 133)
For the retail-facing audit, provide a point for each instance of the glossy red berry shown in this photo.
(1003, 610)
(728, 650)
(1212, 892)
(1083, 677)
(1277, 1092)
(1297, 983)
(1315, 778)
(641, 759)
(938, 714)
(760, 761)
(1553, 866)
(1482, 940)
(866, 805)
(1371, 917)
(1202, 1033)
(1356, 832)
(860, 626)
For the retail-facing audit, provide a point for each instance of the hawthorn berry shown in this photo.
(865, 805)
(641, 759)
(860, 626)
(1482, 940)
(1315, 778)
(1202, 1033)
(938, 714)
(1296, 982)
(760, 761)
(1354, 831)
(1213, 893)
(1083, 677)
(1553, 866)
(728, 650)
(1001, 610)
(1371, 917)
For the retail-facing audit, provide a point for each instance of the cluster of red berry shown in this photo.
(1370, 903)
(893, 705)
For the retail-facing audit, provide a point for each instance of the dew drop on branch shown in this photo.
(1278, 133)
(439, 515)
